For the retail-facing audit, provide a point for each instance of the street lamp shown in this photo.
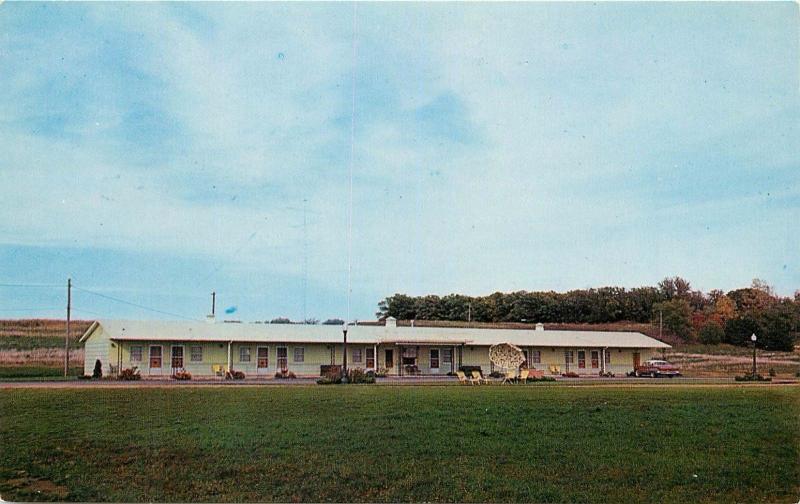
(753, 339)
(344, 359)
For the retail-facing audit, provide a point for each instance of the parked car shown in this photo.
(655, 368)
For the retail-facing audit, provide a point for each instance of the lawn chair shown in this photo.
(523, 375)
(555, 369)
(509, 377)
(477, 378)
(218, 370)
(462, 378)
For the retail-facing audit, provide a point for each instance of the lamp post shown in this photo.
(753, 339)
(344, 358)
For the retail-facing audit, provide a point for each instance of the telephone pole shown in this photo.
(213, 302)
(66, 338)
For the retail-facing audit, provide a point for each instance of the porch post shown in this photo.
(375, 357)
(229, 356)
(400, 361)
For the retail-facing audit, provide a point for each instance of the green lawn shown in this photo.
(383, 443)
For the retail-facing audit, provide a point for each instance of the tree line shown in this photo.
(692, 315)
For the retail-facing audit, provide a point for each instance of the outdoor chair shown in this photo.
(462, 378)
(523, 375)
(509, 377)
(555, 369)
(218, 370)
(477, 378)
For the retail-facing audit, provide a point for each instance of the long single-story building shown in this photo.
(158, 349)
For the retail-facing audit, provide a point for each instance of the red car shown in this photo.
(655, 368)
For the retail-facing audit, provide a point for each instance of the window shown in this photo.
(568, 356)
(524, 359)
(537, 357)
(155, 356)
(263, 357)
(299, 354)
(434, 358)
(177, 357)
(608, 356)
(244, 354)
(447, 355)
(370, 358)
(283, 359)
(581, 359)
(197, 354)
(136, 354)
(357, 355)
(595, 359)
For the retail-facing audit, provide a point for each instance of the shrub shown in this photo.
(330, 369)
(381, 373)
(532, 379)
(570, 374)
(98, 369)
(182, 375)
(325, 380)
(130, 374)
(750, 377)
(284, 374)
(358, 375)
(711, 333)
(772, 372)
(235, 375)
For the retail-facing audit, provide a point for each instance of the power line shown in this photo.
(30, 285)
(118, 300)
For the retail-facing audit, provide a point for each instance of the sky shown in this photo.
(156, 152)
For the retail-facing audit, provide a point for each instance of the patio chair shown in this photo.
(477, 378)
(218, 370)
(509, 377)
(462, 378)
(523, 375)
(555, 369)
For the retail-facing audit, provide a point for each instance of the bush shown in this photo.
(711, 333)
(570, 374)
(326, 380)
(182, 375)
(772, 372)
(531, 379)
(235, 375)
(750, 377)
(330, 369)
(285, 375)
(381, 373)
(130, 374)
(98, 369)
(358, 375)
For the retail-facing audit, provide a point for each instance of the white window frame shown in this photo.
(367, 357)
(357, 355)
(160, 356)
(172, 356)
(278, 357)
(192, 353)
(302, 355)
(591, 360)
(446, 351)
(141, 353)
(569, 357)
(258, 357)
(242, 354)
(578, 356)
(536, 357)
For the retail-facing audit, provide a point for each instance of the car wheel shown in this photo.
(636, 374)
(653, 375)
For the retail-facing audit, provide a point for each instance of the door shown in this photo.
(389, 358)
(370, 358)
(177, 357)
(262, 359)
(581, 359)
(283, 360)
(595, 359)
(637, 360)
(434, 360)
(155, 360)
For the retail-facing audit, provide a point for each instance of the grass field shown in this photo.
(361, 443)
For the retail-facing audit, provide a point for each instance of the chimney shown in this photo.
(540, 326)
(391, 322)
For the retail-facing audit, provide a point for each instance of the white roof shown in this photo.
(367, 334)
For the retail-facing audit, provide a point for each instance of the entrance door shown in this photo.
(155, 359)
(262, 360)
(595, 359)
(283, 360)
(637, 360)
(389, 358)
(434, 360)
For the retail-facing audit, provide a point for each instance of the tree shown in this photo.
(98, 369)
(738, 330)
(676, 286)
(777, 327)
(280, 320)
(676, 315)
(711, 333)
(333, 321)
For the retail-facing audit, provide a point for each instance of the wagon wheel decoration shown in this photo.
(506, 355)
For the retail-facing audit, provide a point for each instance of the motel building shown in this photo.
(208, 349)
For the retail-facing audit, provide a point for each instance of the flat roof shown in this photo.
(147, 330)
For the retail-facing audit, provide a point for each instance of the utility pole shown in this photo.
(469, 313)
(66, 338)
(213, 302)
(660, 324)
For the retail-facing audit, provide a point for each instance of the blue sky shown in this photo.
(156, 152)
